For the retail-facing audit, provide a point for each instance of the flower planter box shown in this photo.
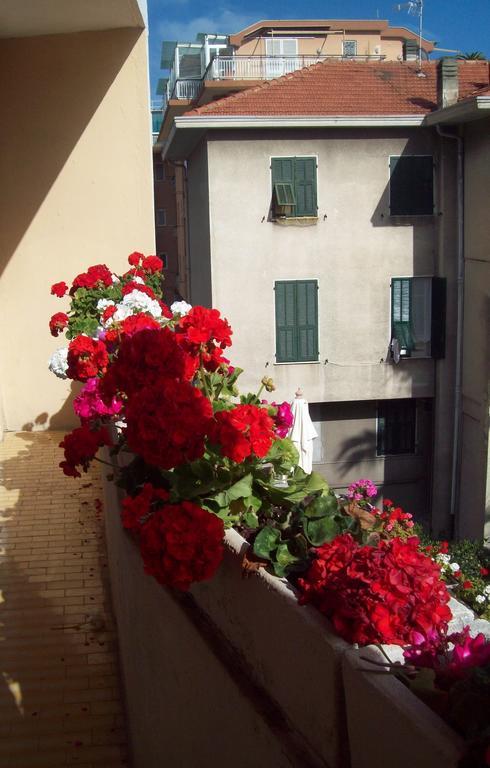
(388, 725)
(234, 672)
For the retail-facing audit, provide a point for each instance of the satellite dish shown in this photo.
(395, 351)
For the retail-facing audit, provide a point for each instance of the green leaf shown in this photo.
(322, 506)
(320, 530)
(239, 490)
(266, 542)
(251, 520)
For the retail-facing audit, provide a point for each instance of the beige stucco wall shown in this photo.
(330, 44)
(353, 251)
(77, 190)
(474, 502)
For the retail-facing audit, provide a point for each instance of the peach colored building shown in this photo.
(74, 102)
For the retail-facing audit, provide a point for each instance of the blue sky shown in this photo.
(458, 24)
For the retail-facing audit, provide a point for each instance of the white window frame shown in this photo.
(317, 186)
(347, 55)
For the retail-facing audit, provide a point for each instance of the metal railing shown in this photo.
(268, 67)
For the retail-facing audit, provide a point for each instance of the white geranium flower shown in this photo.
(443, 559)
(59, 362)
(480, 599)
(487, 590)
(102, 304)
(140, 302)
(454, 567)
(180, 308)
(115, 279)
(139, 280)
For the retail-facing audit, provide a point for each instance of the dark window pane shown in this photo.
(396, 427)
(411, 186)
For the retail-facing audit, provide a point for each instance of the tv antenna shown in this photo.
(415, 8)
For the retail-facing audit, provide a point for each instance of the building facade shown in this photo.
(329, 241)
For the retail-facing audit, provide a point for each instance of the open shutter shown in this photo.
(401, 312)
(286, 336)
(305, 186)
(421, 306)
(282, 169)
(307, 319)
(438, 326)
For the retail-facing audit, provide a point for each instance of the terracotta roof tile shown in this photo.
(349, 88)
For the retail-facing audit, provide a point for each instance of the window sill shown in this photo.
(296, 221)
(300, 362)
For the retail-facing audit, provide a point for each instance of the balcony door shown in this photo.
(282, 56)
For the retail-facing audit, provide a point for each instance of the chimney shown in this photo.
(447, 82)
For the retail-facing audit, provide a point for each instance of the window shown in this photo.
(294, 191)
(158, 172)
(163, 257)
(411, 185)
(161, 217)
(296, 321)
(156, 121)
(418, 316)
(396, 427)
(349, 48)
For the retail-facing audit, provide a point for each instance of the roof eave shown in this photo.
(466, 111)
(187, 130)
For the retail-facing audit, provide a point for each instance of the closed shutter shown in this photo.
(286, 337)
(401, 315)
(305, 186)
(411, 186)
(307, 319)
(296, 321)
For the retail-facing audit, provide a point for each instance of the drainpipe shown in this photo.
(182, 242)
(456, 457)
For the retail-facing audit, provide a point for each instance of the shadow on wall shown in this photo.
(424, 228)
(63, 419)
(51, 88)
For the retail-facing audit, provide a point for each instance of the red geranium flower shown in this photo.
(150, 356)
(137, 509)
(95, 277)
(86, 358)
(58, 322)
(243, 431)
(135, 258)
(80, 447)
(181, 544)
(152, 264)
(203, 332)
(484, 571)
(108, 312)
(140, 322)
(167, 422)
(59, 289)
(132, 286)
(382, 594)
(467, 584)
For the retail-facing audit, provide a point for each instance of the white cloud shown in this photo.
(224, 22)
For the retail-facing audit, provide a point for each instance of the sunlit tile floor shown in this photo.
(60, 702)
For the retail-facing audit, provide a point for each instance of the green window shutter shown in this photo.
(307, 319)
(283, 173)
(401, 313)
(438, 324)
(305, 186)
(296, 321)
(286, 336)
(284, 193)
(411, 186)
